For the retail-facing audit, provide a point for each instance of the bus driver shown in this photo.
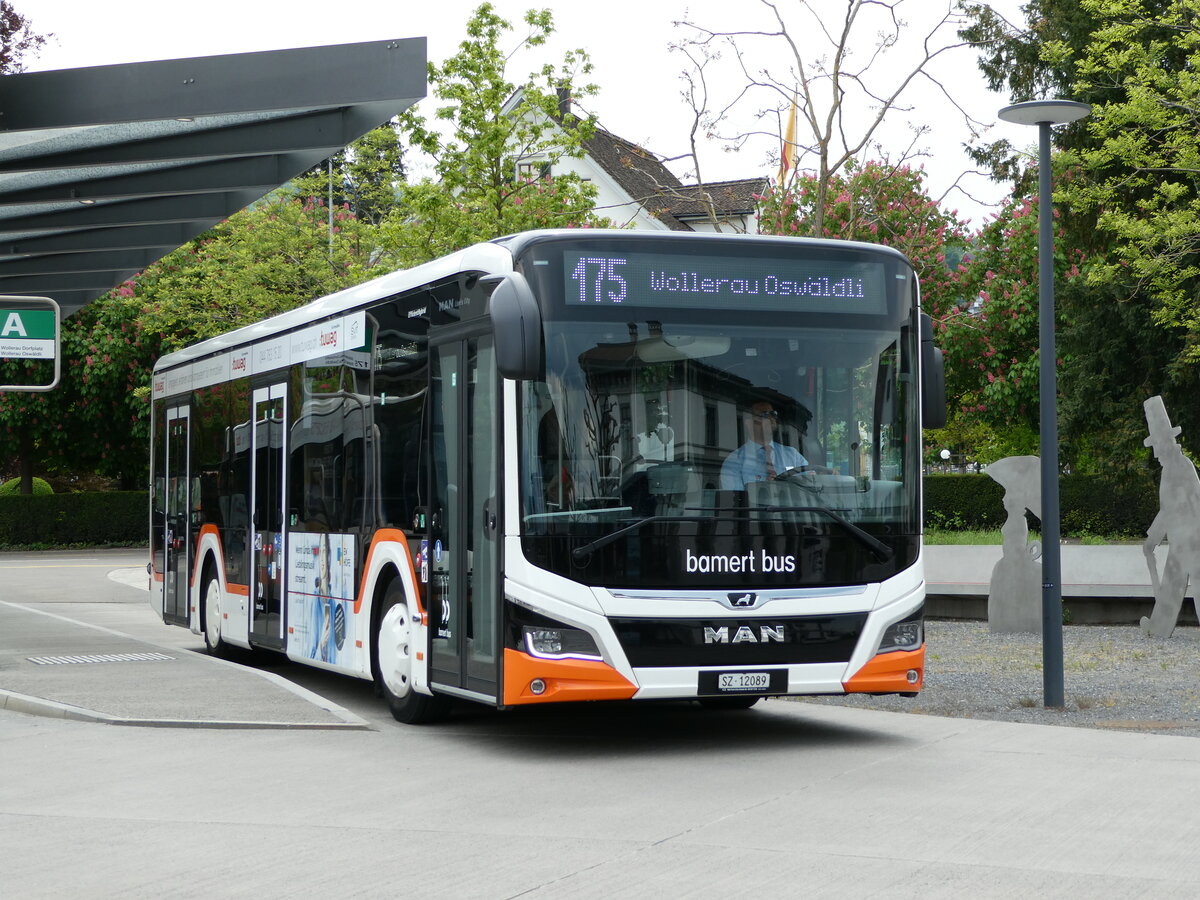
(761, 458)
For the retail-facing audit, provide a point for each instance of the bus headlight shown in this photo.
(559, 643)
(905, 635)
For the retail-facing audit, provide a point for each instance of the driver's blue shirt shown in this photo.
(749, 463)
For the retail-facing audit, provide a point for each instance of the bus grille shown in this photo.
(739, 642)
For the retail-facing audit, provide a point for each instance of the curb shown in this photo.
(52, 709)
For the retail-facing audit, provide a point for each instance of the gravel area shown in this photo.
(1114, 677)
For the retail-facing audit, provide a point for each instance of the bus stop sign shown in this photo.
(29, 331)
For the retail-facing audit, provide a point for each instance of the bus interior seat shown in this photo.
(811, 449)
(674, 486)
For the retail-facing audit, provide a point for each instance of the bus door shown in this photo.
(177, 540)
(464, 536)
(267, 500)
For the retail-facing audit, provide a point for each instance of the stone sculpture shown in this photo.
(1178, 522)
(1015, 592)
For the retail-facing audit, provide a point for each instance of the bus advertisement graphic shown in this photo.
(320, 597)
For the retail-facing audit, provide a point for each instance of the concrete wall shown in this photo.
(1107, 584)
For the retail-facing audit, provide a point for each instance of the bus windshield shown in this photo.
(675, 454)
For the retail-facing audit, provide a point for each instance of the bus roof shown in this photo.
(518, 242)
(491, 258)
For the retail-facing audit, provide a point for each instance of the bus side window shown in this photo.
(316, 443)
(401, 390)
(233, 481)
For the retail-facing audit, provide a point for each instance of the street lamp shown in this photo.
(1044, 114)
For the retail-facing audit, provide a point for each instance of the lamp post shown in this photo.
(1044, 114)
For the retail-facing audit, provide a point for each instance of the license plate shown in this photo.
(743, 681)
(759, 682)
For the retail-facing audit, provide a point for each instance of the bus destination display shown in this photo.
(727, 282)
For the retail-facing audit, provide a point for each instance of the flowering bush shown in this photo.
(879, 204)
(995, 344)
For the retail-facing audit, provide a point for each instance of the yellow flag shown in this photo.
(787, 154)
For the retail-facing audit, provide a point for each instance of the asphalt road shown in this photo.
(632, 800)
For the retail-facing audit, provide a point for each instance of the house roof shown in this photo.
(738, 197)
(104, 170)
(644, 177)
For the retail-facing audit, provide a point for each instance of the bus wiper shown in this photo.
(878, 548)
(581, 553)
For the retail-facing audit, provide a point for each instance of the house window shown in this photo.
(532, 171)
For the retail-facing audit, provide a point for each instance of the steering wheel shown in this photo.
(788, 473)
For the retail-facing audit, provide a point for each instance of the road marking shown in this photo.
(43, 612)
(61, 566)
(97, 658)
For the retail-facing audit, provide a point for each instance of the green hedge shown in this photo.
(1089, 504)
(116, 517)
(13, 486)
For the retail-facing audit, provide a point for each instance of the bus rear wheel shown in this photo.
(212, 618)
(395, 647)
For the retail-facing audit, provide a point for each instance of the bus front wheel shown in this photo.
(395, 647)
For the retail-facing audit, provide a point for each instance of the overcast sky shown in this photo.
(627, 39)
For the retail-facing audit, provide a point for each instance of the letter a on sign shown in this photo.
(13, 326)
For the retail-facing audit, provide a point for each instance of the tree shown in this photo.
(840, 98)
(486, 129)
(364, 178)
(1148, 148)
(96, 419)
(1142, 185)
(102, 420)
(17, 39)
(264, 260)
(993, 355)
(272, 257)
(1125, 182)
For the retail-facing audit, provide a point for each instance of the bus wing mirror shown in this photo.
(933, 378)
(517, 323)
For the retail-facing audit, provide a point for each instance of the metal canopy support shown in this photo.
(104, 170)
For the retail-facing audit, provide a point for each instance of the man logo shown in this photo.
(744, 634)
(742, 601)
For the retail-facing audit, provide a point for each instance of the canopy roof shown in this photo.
(104, 170)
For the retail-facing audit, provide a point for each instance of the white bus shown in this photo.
(524, 473)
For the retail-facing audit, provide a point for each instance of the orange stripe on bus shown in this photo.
(395, 536)
(565, 679)
(206, 529)
(888, 673)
